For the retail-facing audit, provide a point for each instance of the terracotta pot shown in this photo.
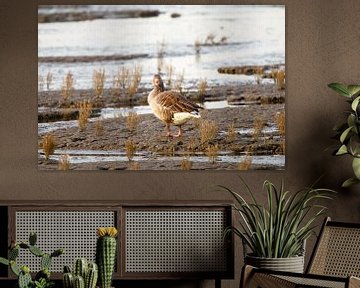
(291, 264)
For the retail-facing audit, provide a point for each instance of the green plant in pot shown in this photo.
(275, 233)
(349, 132)
(42, 278)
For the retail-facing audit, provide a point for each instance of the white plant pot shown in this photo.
(291, 264)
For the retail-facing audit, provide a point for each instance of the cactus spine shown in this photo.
(106, 254)
(84, 275)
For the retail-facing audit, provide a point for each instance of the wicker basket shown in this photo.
(291, 264)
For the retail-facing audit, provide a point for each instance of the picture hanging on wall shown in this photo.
(161, 87)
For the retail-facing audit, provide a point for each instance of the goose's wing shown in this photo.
(175, 102)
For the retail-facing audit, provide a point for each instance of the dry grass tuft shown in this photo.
(64, 162)
(121, 79)
(202, 88)
(134, 81)
(280, 122)
(179, 81)
(48, 145)
(134, 166)
(231, 133)
(208, 131)
(258, 126)
(99, 79)
(132, 121)
(186, 164)
(280, 79)
(85, 109)
(49, 79)
(191, 146)
(130, 148)
(68, 86)
(246, 163)
(99, 128)
(161, 52)
(212, 151)
(170, 70)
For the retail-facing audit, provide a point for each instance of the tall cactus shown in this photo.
(106, 254)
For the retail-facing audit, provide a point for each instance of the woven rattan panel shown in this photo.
(75, 231)
(175, 241)
(338, 253)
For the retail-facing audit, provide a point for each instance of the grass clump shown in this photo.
(99, 128)
(280, 79)
(245, 164)
(258, 126)
(85, 109)
(202, 88)
(64, 162)
(48, 145)
(231, 133)
(161, 52)
(135, 80)
(280, 122)
(68, 86)
(134, 166)
(99, 79)
(212, 151)
(186, 164)
(208, 131)
(130, 148)
(132, 121)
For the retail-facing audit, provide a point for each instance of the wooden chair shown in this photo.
(335, 262)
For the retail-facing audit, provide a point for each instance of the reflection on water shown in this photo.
(255, 35)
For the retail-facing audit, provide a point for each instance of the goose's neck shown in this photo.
(154, 92)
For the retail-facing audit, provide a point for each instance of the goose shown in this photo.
(170, 106)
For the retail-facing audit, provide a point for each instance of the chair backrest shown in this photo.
(337, 251)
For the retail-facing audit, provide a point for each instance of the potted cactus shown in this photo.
(84, 275)
(106, 254)
(42, 278)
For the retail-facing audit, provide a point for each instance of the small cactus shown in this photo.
(84, 274)
(79, 282)
(24, 280)
(32, 239)
(106, 254)
(45, 261)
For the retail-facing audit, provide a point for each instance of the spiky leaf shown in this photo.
(340, 88)
(356, 167)
(355, 103)
(353, 89)
(342, 150)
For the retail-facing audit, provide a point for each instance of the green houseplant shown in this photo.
(42, 278)
(279, 229)
(349, 132)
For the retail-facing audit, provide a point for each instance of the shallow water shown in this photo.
(99, 156)
(256, 35)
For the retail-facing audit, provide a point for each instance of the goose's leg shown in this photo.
(168, 133)
(179, 133)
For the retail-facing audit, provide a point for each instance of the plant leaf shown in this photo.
(355, 103)
(353, 89)
(342, 150)
(349, 182)
(345, 134)
(340, 88)
(356, 167)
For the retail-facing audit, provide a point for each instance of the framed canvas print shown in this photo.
(161, 87)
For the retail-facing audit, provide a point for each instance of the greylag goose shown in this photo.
(170, 106)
